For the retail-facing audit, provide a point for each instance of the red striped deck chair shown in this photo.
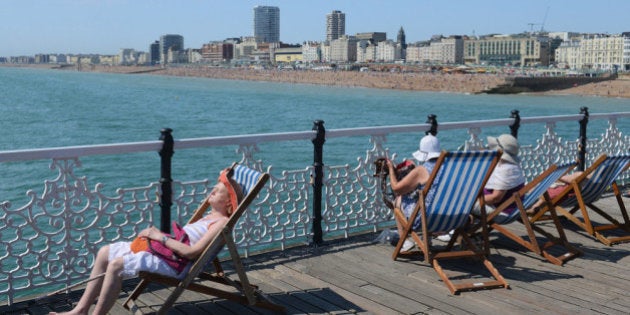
(251, 182)
(586, 189)
(444, 204)
(524, 199)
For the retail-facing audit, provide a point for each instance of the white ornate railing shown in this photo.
(51, 241)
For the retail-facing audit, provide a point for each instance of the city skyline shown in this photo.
(32, 27)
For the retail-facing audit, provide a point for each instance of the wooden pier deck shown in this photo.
(357, 275)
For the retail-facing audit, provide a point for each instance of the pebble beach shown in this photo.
(416, 81)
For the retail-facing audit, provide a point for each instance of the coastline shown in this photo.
(435, 82)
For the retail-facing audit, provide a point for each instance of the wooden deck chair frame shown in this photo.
(525, 198)
(584, 203)
(470, 250)
(248, 294)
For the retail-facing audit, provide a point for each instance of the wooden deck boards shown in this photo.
(357, 276)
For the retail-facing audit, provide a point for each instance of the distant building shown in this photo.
(372, 37)
(343, 49)
(288, 55)
(244, 49)
(311, 52)
(168, 45)
(596, 52)
(387, 51)
(335, 25)
(154, 51)
(217, 52)
(366, 51)
(127, 56)
(523, 50)
(401, 39)
(267, 24)
(42, 58)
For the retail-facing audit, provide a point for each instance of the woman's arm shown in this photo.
(494, 197)
(181, 249)
(407, 184)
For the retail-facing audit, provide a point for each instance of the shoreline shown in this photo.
(411, 81)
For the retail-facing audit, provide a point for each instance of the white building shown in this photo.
(311, 52)
(387, 51)
(366, 51)
(343, 49)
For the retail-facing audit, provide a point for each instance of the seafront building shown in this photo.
(267, 24)
(517, 50)
(169, 45)
(335, 25)
(344, 49)
(563, 50)
(595, 52)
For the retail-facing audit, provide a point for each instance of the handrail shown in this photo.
(148, 146)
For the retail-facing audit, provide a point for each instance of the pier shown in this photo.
(313, 251)
(357, 276)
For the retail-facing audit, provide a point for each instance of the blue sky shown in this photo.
(29, 27)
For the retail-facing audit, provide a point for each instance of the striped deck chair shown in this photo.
(587, 189)
(251, 182)
(455, 185)
(524, 199)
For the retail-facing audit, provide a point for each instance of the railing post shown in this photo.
(166, 198)
(516, 124)
(432, 119)
(582, 144)
(318, 166)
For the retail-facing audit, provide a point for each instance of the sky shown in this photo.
(29, 27)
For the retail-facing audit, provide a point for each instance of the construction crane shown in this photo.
(542, 25)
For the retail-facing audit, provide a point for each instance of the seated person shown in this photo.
(407, 187)
(506, 179)
(556, 188)
(118, 261)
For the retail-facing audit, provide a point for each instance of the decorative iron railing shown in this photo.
(50, 241)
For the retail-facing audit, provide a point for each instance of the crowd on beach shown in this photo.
(417, 81)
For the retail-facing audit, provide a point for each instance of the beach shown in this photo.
(417, 81)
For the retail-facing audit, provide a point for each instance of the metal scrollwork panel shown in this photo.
(54, 237)
(353, 196)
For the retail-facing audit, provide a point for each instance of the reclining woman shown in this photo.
(118, 260)
(407, 187)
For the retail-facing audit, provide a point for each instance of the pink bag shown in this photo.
(158, 249)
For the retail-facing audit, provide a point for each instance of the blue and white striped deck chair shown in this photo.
(525, 199)
(455, 184)
(587, 189)
(251, 182)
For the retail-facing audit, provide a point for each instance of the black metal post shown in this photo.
(582, 144)
(432, 119)
(166, 199)
(318, 166)
(516, 124)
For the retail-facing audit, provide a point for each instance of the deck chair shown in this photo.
(584, 191)
(524, 199)
(251, 182)
(455, 184)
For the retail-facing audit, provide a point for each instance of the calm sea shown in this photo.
(52, 108)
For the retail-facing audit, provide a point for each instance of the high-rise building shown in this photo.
(335, 25)
(154, 51)
(267, 24)
(170, 42)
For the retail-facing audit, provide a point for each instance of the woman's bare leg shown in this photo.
(93, 288)
(111, 287)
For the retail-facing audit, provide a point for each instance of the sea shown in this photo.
(45, 108)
